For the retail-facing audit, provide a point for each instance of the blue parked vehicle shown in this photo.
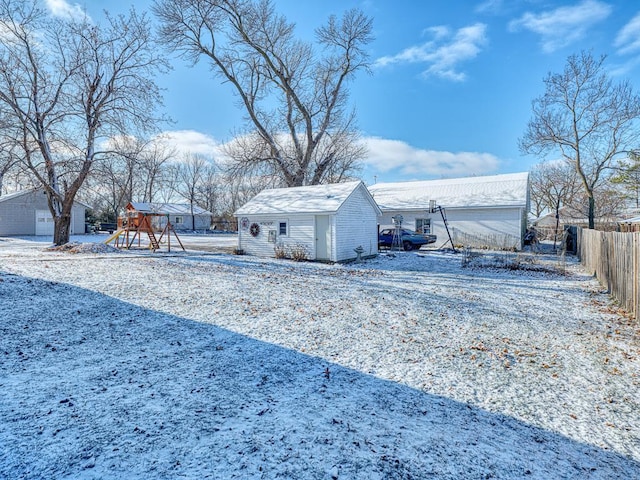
(409, 239)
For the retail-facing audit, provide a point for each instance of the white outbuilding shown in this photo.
(325, 222)
(479, 211)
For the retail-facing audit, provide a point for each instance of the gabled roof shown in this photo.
(631, 220)
(488, 191)
(17, 194)
(308, 199)
(28, 191)
(167, 208)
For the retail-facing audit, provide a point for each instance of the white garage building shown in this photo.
(480, 211)
(27, 213)
(328, 221)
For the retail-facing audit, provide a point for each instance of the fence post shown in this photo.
(636, 274)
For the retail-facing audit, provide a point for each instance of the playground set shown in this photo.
(135, 223)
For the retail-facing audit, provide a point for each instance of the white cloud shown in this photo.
(385, 156)
(628, 39)
(6, 35)
(62, 8)
(444, 52)
(564, 25)
(191, 142)
(490, 6)
(399, 157)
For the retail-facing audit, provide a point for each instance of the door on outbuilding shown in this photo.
(323, 237)
(44, 222)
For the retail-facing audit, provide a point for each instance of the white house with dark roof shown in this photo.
(329, 221)
(480, 211)
(182, 216)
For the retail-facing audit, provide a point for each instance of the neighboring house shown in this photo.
(328, 221)
(480, 211)
(27, 213)
(567, 216)
(180, 215)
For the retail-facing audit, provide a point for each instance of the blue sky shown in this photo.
(452, 80)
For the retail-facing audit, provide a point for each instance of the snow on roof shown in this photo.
(26, 191)
(168, 208)
(19, 193)
(631, 220)
(487, 191)
(308, 199)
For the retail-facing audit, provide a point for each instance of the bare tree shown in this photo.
(115, 176)
(585, 117)
(191, 173)
(9, 158)
(611, 203)
(553, 185)
(68, 84)
(239, 190)
(154, 158)
(134, 169)
(209, 192)
(295, 99)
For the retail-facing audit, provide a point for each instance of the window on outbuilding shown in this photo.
(423, 225)
(179, 220)
(282, 228)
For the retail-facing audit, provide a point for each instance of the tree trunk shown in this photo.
(592, 209)
(61, 212)
(61, 229)
(555, 233)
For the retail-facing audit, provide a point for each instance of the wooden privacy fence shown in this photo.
(614, 258)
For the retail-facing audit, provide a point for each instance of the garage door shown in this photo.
(44, 222)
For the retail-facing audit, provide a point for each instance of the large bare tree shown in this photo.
(294, 93)
(68, 84)
(587, 118)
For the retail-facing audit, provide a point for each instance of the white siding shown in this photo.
(355, 225)
(500, 225)
(349, 210)
(300, 230)
(504, 226)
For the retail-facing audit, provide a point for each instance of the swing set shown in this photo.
(135, 223)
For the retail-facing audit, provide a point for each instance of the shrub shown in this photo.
(299, 252)
(280, 250)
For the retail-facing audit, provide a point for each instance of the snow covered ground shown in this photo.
(409, 366)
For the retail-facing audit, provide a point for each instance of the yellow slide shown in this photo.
(115, 235)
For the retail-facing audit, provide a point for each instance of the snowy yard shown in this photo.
(209, 365)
